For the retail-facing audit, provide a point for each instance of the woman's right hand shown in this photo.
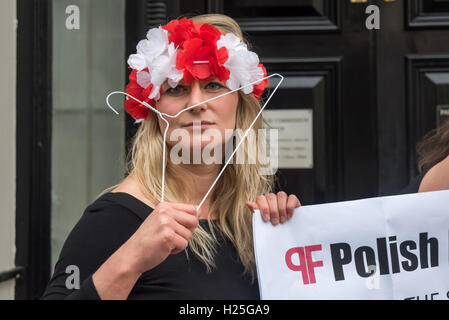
(165, 231)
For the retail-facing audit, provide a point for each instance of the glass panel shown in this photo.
(87, 137)
(435, 6)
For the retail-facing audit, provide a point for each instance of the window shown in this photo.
(87, 137)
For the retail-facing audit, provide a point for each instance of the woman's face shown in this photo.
(214, 116)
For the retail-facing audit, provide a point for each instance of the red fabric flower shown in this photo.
(134, 108)
(259, 88)
(181, 30)
(202, 46)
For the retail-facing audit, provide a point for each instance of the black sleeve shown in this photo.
(98, 234)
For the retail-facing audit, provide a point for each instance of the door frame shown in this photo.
(33, 147)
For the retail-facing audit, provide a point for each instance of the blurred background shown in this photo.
(354, 103)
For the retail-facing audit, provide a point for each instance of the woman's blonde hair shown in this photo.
(239, 182)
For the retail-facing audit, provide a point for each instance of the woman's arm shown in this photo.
(111, 248)
(165, 231)
(437, 178)
(96, 240)
(117, 276)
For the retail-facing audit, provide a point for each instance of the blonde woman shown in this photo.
(129, 244)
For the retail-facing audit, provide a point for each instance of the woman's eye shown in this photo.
(176, 90)
(214, 86)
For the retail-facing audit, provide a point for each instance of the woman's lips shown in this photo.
(202, 125)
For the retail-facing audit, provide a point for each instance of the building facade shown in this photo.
(364, 81)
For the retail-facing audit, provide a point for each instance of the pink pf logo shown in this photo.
(306, 265)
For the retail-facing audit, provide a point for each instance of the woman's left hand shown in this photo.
(275, 207)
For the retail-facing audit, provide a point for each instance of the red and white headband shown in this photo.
(183, 49)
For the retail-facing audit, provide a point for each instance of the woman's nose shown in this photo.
(197, 97)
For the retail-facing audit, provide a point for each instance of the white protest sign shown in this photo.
(392, 247)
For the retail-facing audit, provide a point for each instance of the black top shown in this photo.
(109, 222)
(414, 183)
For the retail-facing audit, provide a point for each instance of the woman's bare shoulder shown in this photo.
(131, 186)
(437, 178)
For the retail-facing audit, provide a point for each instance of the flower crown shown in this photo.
(183, 49)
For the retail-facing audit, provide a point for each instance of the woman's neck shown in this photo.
(199, 178)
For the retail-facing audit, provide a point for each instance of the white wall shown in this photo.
(7, 142)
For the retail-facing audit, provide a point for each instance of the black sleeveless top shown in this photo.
(108, 223)
(414, 183)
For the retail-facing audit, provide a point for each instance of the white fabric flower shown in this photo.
(137, 61)
(156, 54)
(164, 68)
(242, 63)
(149, 49)
(158, 36)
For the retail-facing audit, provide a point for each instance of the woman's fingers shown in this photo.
(178, 234)
(189, 208)
(274, 210)
(181, 230)
(292, 203)
(179, 244)
(277, 208)
(282, 206)
(185, 219)
(252, 206)
(262, 203)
